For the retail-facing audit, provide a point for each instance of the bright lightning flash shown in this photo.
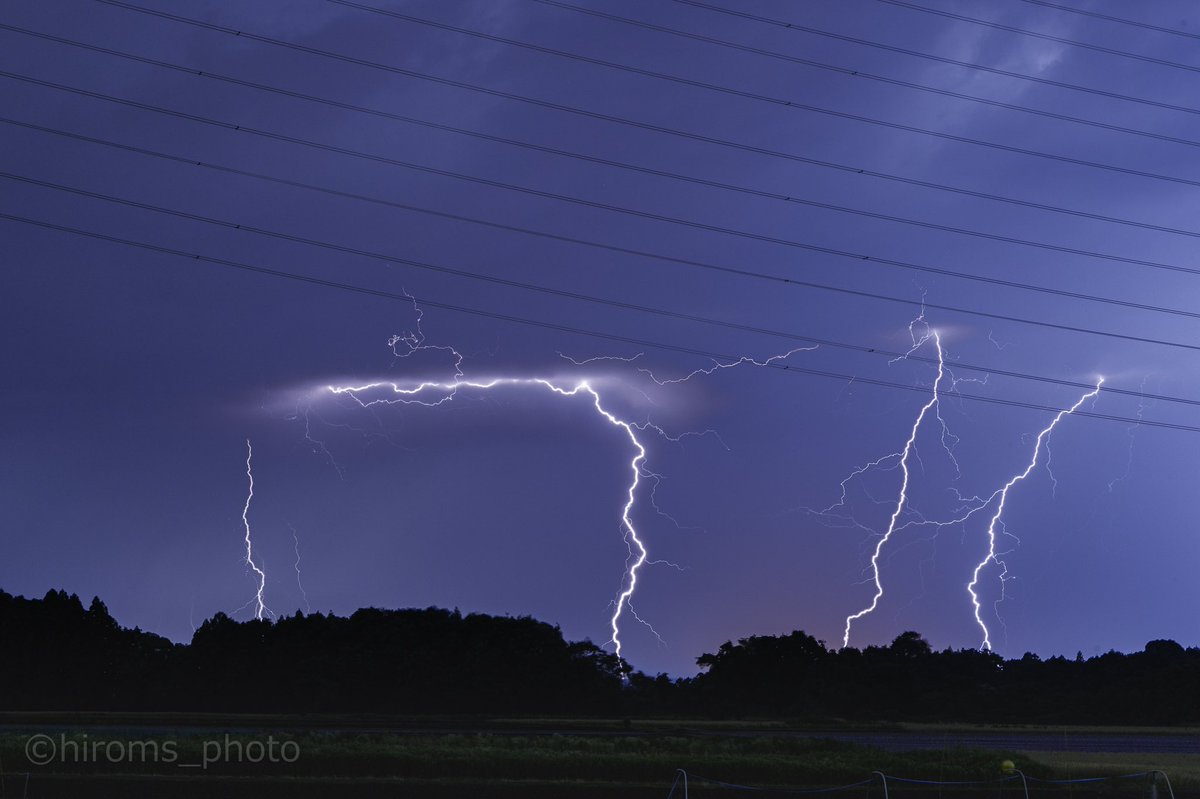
(445, 391)
(903, 456)
(434, 393)
(259, 607)
(1002, 495)
(970, 506)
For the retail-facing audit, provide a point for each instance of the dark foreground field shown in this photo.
(206, 756)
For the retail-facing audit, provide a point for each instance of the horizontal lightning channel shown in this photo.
(448, 390)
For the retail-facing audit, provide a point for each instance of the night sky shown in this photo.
(132, 378)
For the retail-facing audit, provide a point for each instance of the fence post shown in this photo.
(882, 779)
(680, 774)
(1024, 782)
(1167, 780)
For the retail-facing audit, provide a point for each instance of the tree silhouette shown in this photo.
(60, 656)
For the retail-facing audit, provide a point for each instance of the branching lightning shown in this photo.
(408, 343)
(1002, 496)
(442, 392)
(435, 393)
(902, 458)
(903, 516)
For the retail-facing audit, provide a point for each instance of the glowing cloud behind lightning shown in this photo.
(259, 607)
(435, 393)
(902, 499)
(991, 556)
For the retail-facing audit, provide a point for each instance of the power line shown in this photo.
(701, 264)
(701, 225)
(600, 300)
(570, 109)
(755, 95)
(1110, 18)
(858, 73)
(675, 79)
(399, 259)
(987, 23)
(909, 265)
(656, 256)
(938, 58)
(407, 298)
(529, 231)
(479, 221)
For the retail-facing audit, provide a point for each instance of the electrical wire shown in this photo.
(987, 23)
(858, 73)
(408, 298)
(559, 107)
(909, 265)
(1111, 18)
(755, 96)
(631, 306)
(646, 73)
(384, 256)
(938, 58)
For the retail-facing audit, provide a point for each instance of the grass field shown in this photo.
(1183, 770)
(526, 759)
(487, 765)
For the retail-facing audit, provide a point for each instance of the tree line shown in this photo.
(59, 655)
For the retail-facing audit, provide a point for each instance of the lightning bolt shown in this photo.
(1002, 495)
(717, 366)
(593, 359)
(435, 393)
(259, 607)
(413, 341)
(443, 392)
(300, 585)
(922, 333)
(1131, 432)
(902, 457)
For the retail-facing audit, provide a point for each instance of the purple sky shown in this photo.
(132, 379)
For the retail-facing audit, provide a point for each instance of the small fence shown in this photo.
(14, 785)
(888, 784)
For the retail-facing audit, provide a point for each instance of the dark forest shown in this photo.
(60, 655)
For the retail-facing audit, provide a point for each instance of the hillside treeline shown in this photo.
(55, 654)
